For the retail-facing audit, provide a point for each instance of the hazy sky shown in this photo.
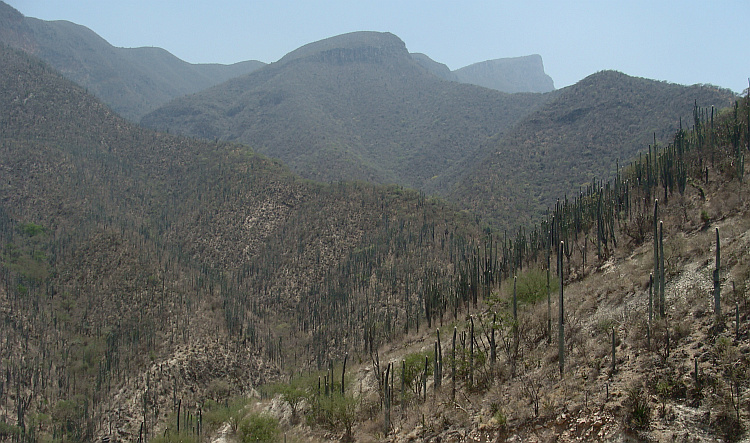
(683, 41)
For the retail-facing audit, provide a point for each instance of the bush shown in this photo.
(531, 286)
(412, 371)
(638, 409)
(338, 412)
(215, 414)
(6, 430)
(259, 428)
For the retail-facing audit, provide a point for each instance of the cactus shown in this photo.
(436, 367)
(662, 299)
(343, 373)
(515, 300)
(453, 365)
(471, 353)
(424, 376)
(650, 309)
(561, 326)
(717, 283)
(614, 357)
(656, 253)
(387, 400)
(549, 295)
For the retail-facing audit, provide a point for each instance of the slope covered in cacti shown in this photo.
(141, 268)
(579, 136)
(653, 340)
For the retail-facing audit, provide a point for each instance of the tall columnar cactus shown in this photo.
(717, 283)
(343, 372)
(650, 309)
(656, 252)
(436, 368)
(549, 296)
(561, 326)
(424, 377)
(614, 357)
(471, 354)
(662, 298)
(453, 365)
(515, 300)
(387, 400)
(438, 362)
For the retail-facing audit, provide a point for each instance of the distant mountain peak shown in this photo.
(354, 46)
(513, 74)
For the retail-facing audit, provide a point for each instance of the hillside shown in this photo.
(153, 287)
(625, 333)
(515, 74)
(139, 267)
(576, 137)
(352, 107)
(133, 81)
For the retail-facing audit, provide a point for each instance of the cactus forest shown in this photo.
(161, 288)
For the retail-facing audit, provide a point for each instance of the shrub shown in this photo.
(413, 370)
(531, 286)
(7, 431)
(259, 428)
(637, 409)
(337, 412)
(294, 393)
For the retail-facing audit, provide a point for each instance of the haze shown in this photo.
(684, 42)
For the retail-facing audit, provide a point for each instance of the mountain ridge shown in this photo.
(583, 131)
(360, 112)
(514, 74)
(131, 80)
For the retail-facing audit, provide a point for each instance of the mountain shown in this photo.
(155, 287)
(352, 107)
(436, 68)
(139, 267)
(574, 138)
(515, 74)
(133, 81)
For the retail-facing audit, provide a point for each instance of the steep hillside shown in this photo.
(516, 74)
(133, 81)
(352, 107)
(639, 332)
(141, 268)
(577, 136)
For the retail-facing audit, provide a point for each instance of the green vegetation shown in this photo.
(259, 428)
(413, 370)
(532, 286)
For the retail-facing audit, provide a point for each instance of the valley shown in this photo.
(349, 244)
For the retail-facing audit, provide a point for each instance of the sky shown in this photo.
(684, 42)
